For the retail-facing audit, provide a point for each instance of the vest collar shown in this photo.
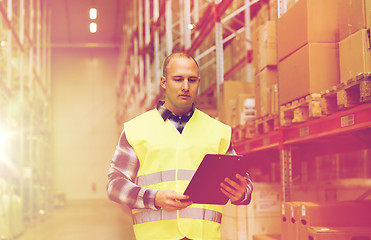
(166, 113)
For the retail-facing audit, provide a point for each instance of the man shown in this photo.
(158, 154)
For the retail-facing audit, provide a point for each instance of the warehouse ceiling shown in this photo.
(70, 23)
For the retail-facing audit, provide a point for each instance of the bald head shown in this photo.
(175, 55)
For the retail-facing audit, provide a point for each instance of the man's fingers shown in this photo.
(181, 197)
(174, 202)
(170, 200)
(232, 189)
(242, 179)
(227, 188)
(230, 196)
(241, 184)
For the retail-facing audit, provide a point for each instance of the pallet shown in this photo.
(348, 94)
(301, 110)
(242, 132)
(268, 123)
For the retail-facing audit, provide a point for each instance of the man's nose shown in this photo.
(185, 85)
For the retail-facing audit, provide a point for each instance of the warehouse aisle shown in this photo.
(84, 220)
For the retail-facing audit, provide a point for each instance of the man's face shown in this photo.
(181, 85)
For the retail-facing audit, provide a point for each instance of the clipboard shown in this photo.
(204, 186)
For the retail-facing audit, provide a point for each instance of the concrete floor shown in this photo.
(84, 220)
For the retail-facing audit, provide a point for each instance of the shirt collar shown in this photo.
(165, 113)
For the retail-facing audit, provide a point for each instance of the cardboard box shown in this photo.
(264, 213)
(243, 110)
(266, 92)
(284, 6)
(229, 91)
(255, 44)
(354, 15)
(325, 233)
(263, 14)
(267, 45)
(257, 89)
(311, 69)
(355, 55)
(267, 237)
(307, 21)
(290, 3)
(268, 78)
(339, 233)
(334, 214)
(231, 113)
(229, 222)
(242, 225)
(273, 10)
(290, 220)
(356, 233)
(275, 105)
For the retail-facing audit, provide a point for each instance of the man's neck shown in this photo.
(178, 112)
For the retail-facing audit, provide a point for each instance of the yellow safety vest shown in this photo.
(168, 161)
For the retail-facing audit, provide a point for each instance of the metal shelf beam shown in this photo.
(357, 118)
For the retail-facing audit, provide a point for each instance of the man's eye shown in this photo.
(192, 79)
(178, 79)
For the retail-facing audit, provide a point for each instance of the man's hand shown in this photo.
(170, 201)
(235, 191)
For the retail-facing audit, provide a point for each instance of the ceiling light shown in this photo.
(93, 27)
(191, 26)
(93, 13)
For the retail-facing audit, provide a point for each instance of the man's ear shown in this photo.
(163, 82)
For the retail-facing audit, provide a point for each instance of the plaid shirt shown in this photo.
(122, 174)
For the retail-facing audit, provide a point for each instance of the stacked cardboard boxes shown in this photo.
(354, 34)
(267, 75)
(266, 91)
(303, 220)
(263, 213)
(289, 220)
(336, 214)
(267, 45)
(261, 218)
(265, 65)
(307, 36)
(320, 44)
(232, 97)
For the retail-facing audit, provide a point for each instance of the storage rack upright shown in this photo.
(25, 120)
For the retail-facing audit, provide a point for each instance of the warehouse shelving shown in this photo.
(340, 128)
(203, 28)
(26, 167)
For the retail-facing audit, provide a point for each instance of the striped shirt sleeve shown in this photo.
(121, 186)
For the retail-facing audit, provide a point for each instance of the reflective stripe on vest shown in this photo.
(164, 176)
(194, 213)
